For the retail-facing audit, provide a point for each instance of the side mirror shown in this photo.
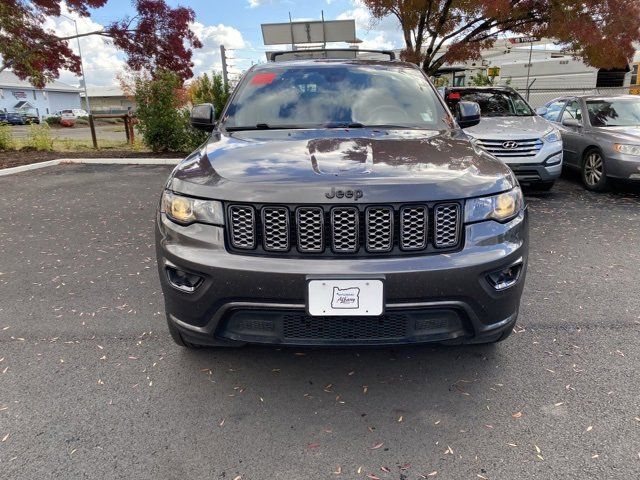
(571, 122)
(542, 111)
(203, 117)
(468, 114)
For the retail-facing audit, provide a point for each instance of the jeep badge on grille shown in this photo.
(355, 194)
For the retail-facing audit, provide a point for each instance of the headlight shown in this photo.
(552, 136)
(501, 207)
(628, 149)
(187, 210)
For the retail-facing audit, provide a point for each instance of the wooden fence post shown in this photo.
(93, 132)
(126, 129)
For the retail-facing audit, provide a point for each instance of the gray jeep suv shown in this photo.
(338, 202)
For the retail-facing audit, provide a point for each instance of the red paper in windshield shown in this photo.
(263, 78)
(454, 96)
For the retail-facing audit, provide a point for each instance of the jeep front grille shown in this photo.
(275, 229)
(344, 230)
(243, 227)
(310, 223)
(413, 227)
(379, 229)
(447, 225)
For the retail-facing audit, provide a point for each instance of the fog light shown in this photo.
(554, 160)
(506, 277)
(183, 281)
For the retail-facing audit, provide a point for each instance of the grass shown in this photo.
(71, 145)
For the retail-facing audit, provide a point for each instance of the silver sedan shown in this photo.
(601, 136)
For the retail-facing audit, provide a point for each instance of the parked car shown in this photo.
(30, 118)
(601, 136)
(65, 114)
(338, 202)
(511, 130)
(11, 118)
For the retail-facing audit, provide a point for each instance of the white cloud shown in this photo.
(375, 33)
(256, 3)
(208, 57)
(102, 61)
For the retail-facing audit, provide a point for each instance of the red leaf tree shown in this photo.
(157, 37)
(601, 32)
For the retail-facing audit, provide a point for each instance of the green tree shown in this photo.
(481, 79)
(162, 114)
(209, 89)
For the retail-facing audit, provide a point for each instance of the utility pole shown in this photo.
(223, 56)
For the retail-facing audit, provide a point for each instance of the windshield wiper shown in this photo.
(257, 126)
(345, 125)
(266, 126)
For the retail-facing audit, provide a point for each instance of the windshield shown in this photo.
(493, 103)
(614, 112)
(306, 96)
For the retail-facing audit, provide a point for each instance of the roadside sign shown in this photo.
(524, 39)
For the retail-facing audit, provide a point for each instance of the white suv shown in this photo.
(510, 130)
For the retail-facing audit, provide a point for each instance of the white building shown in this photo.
(20, 96)
(108, 99)
(538, 65)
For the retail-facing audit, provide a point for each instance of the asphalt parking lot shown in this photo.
(91, 385)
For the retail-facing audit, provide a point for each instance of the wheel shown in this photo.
(593, 171)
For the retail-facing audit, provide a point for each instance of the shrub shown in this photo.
(6, 137)
(52, 120)
(39, 137)
(163, 122)
(205, 89)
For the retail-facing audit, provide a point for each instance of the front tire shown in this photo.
(593, 172)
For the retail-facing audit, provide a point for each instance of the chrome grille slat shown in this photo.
(310, 229)
(414, 221)
(379, 224)
(243, 226)
(528, 147)
(447, 228)
(275, 229)
(345, 229)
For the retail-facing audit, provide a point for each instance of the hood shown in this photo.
(621, 134)
(301, 166)
(510, 128)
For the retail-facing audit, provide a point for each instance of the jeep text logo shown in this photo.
(355, 194)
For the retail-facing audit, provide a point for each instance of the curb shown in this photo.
(94, 161)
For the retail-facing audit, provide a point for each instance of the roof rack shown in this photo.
(391, 53)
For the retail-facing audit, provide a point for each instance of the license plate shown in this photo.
(345, 297)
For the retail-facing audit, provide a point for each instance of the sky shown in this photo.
(234, 23)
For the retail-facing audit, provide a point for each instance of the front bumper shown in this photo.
(535, 173)
(428, 298)
(622, 166)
